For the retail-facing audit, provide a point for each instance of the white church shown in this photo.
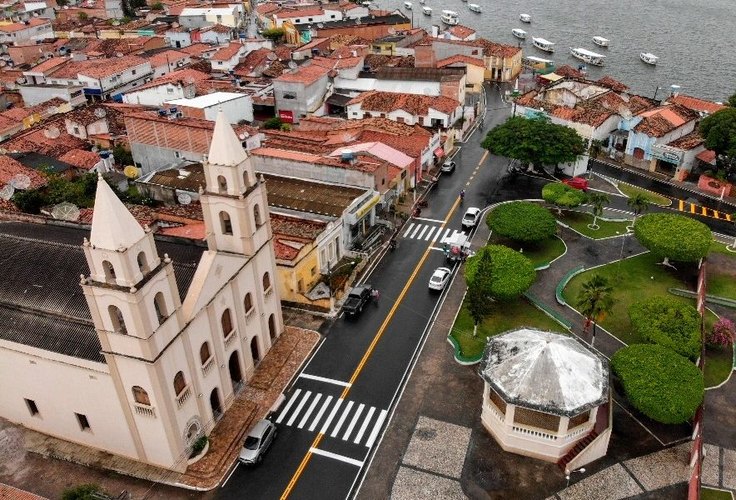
(144, 358)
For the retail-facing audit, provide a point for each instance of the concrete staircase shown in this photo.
(575, 451)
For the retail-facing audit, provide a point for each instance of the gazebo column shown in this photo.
(564, 426)
(508, 419)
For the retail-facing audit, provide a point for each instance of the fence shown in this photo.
(696, 452)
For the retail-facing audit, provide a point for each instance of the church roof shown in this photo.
(545, 371)
(214, 271)
(113, 226)
(42, 304)
(226, 148)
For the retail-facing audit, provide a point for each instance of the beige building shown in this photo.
(149, 354)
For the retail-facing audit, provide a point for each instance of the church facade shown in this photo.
(163, 346)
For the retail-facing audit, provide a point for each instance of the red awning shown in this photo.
(439, 152)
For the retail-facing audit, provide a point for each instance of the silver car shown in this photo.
(440, 278)
(259, 439)
(471, 217)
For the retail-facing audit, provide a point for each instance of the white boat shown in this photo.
(649, 58)
(600, 41)
(587, 56)
(407, 5)
(475, 7)
(525, 18)
(427, 11)
(543, 44)
(450, 17)
(519, 33)
(421, 1)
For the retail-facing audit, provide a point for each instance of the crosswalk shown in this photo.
(428, 232)
(692, 208)
(335, 417)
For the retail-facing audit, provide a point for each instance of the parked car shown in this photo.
(448, 167)
(471, 217)
(257, 442)
(439, 278)
(357, 298)
(580, 183)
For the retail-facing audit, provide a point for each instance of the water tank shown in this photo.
(347, 155)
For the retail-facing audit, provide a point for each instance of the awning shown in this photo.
(439, 152)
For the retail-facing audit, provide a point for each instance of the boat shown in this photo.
(649, 58)
(543, 44)
(600, 41)
(407, 5)
(525, 18)
(421, 1)
(427, 11)
(474, 7)
(587, 56)
(450, 17)
(519, 33)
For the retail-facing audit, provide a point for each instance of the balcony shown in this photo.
(207, 366)
(230, 337)
(144, 410)
(183, 396)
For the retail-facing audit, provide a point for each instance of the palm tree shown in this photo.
(598, 200)
(638, 203)
(595, 299)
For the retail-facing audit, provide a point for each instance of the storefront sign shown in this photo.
(286, 116)
(367, 207)
(667, 154)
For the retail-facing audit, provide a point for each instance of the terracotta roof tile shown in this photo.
(411, 103)
(612, 84)
(460, 59)
(293, 13)
(10, 167)
(568, 71)
(707, 156)
(32, 22)
(696, 104)
(182, 76)
(304, 74)
(80, 158)
(252, 62)
(96, 69)
(363, 163)
(659, 121)
(228, 52)
(167, 56)
(460, 31)
(334, 63)
(688, 141)
(48, 65)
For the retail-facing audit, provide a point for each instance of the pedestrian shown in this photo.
(375, 295)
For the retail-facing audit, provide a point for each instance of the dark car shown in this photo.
(577, 183)
(358, 297)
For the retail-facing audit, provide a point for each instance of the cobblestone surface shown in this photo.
(729, 469)
(663, 468)
(711, 465)
(610, 484)
(411, 484)
(438, 447)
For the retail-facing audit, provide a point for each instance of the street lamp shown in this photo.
(330, 272)
(581, 470)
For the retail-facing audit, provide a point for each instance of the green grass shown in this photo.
(717, 247)
(542, 253)
(721, 284)
(711, 494)
(651, 197)
(718, 364)
(507, 316)
(579, 222)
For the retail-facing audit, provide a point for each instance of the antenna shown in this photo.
(292, 65)
(100, 112)
(271, 56)
(131, 172)
(65, 211)
(184, 199)
(20, 181)
(52, 132)
(7, 192)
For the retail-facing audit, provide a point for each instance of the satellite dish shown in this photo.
(20, 181)
(131, 172)
(184, 199)
(174, 25)
(65, 211)
(320, 25)
(119, 54)
(65, 7)
(20, 80)
(52, 132)
(292, 65)
(95, 149)
(244, 136)
(271, 56)
(428, 91)
(100, 113)
(392, 31)
(7, 192)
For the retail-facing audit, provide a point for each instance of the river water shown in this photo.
(694, 39)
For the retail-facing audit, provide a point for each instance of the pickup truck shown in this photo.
(357, 298)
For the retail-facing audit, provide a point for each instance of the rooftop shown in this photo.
(306, 196)
(411, 103)
(307, 74)
(696, 104)
(207, 100)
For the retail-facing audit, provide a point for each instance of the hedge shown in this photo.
(673, 236)
(668, 322)
(522, 221)
(512, 273)
(563, 195)
(660, 383)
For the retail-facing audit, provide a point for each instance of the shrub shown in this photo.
(522, 221)
(199, 445)
(660, 383)
(672, 236)
(668, 322)
(273, 123)
(723, 333)
(562, 195)
(511, 272)
(81, 492)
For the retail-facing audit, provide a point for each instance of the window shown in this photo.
(225, 225)
(169, 90)
(76, 130)
(226, 322)
(248, 303)
(179, 383)
(313, 271)
(31, 404)
(309, 19)
(246, 181)
(109, 270)
(204, 352)
(266, 282)
(140, 395)
(118, 321)
(177, 154)
(142, 262)
(257, 215)
(159, 304)
(132, 72)
(83, 422)
(221, 184)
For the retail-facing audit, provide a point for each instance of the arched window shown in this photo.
(266, 282)
(141, 396)
(226, 322)
(159, 303)
(257, 215)
(179, 383)
(109, 270)
(118, 321)
(221, 184)
(142, 262)
(204, 352)
(225, 225)
(272, 327)
(248, 302)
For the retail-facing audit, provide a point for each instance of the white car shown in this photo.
(440, 278)
(471, 217)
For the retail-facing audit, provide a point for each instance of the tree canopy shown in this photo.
(477, 301)
(522, 221)
(660, 383)
(668, 322)
(535, 141)
(562, 195)
(719, 132)
(672, 236)
(511, 273)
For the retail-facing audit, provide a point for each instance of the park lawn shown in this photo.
(711, 494)
(652, 197)
(579, 222)
(540, 254)
(506, 316)
(721, 271)
(718, 364)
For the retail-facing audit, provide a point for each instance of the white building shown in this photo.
(35, 28)
(137, 371)
(235, 106)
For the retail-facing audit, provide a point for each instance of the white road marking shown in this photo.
(419, 226)
(320, 413)
(335, 456)
(299, 408)
(309, 411)
(288, 406)
(342, 419)
(411, 226)
(421, 233)
(429, 234)
(376, 429)
(332, 415)
(429, 220)
(325, 379)
(353, 422)
(365, 425)
(436, 236)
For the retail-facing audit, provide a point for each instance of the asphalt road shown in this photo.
(340, 403)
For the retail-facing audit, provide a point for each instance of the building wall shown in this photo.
(38, 94)
(157, 96)
(310, 171)
(371, 32)
(150, 157)
(178, 39)
(296, 276)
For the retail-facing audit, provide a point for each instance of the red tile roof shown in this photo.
(568, 71)
(167, 57)
(97, 69)
(34, 21)
(289, 13)
(695, 104)
(228, 52)
(80, 158)
(707, 156)
(10, 167)
(334, 63)
(662, 120)
(363, 163)
(304, 74)
(411, 103)
(688, 142)
(460, 59)
(251, 62)
(460, 31)
(182, 76)
(292, 233)
(48, 65)
(612, 84)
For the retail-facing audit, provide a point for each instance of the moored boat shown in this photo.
(600, 41)
(649, 58)
(519, 33)
(475, 8)
(427, 11)
(450, 17)
(407, 5)
(543, 44)
(587, 56)
(525, 18)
